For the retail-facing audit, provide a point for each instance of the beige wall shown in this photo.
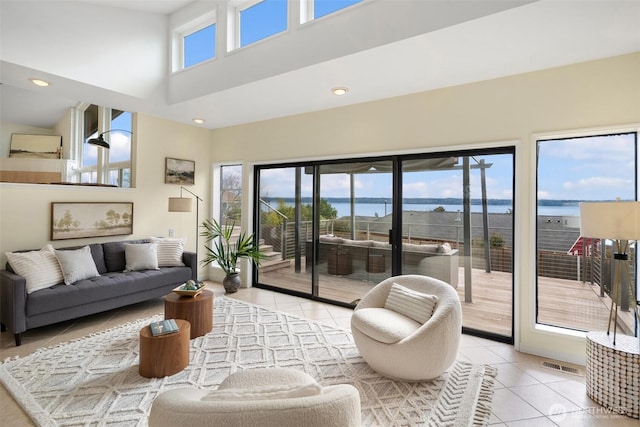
(592, 94)
(25, 209)
(512, 110)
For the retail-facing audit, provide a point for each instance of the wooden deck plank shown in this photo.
(564, 303)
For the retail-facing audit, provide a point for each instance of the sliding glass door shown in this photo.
(336, 229)
(355, 211)
(457, 226)
(285, 227)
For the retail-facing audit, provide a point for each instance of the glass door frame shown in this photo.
(396, 232)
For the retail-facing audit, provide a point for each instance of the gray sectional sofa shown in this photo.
(370, 260)
(112, 288)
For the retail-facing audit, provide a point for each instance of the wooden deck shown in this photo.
(564, 303)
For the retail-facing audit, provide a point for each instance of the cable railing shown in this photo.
(283, 229)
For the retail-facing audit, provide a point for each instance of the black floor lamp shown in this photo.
(185, 204)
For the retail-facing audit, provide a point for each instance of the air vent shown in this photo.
(561, 368)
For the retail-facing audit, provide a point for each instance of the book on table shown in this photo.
(163, 327)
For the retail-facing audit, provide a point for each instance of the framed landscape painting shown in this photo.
(179, 171)
(77, 220)
(35, 146)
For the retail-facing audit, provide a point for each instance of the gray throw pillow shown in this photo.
(141, 256)
(76, 264)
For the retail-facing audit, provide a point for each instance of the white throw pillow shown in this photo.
(169, 251)
(141, 256)
(413, 304)
(40, 268)
(274, 392)
(77, 264)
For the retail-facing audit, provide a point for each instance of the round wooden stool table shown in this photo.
(375, 263)
(196, 310)
(164, 355)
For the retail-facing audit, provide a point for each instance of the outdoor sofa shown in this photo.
(370, 260)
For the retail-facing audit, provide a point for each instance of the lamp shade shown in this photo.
(99, 141)
(610, 220)
(180, 204)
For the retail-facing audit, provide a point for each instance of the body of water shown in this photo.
(379, 209)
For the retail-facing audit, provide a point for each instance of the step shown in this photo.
(276, 264)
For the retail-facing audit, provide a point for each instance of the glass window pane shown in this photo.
(262, 20)
(230, 193)
(119, 141)
(325, 7)
(463, 238)
(286, 228)
(89, 151)
(200, 46)
(573, 273)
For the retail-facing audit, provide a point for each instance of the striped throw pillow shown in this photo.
(40, 268)
(169, 251)
(413, 304)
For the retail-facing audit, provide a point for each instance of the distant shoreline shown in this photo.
(378, 206)
(427, 201)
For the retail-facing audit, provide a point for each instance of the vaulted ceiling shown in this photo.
(117, 53)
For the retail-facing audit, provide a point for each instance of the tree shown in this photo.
(66, 221)
(113, 217)
(272, 218)
(231, 187)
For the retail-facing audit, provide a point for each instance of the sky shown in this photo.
(594, 168)
(262, 20)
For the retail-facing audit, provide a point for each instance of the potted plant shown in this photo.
(227, 249)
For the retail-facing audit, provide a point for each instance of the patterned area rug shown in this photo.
(94, 380)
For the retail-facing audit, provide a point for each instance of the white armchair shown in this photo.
(268, 397)
(399, 341)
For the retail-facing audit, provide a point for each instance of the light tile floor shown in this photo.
(526, 393)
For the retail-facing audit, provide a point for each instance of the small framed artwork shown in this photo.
(77, 220)
(179, 171)
(35, 146)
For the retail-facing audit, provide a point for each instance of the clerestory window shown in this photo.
(257, 20)
(199, 46)
(320, 8)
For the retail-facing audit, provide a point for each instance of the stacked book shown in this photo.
(163, 327)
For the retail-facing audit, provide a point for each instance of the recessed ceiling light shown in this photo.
(339, 90)
(198, 121)
(39, 82)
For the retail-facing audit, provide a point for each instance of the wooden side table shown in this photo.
(613, 373)
(164, 355)
(339, 263)
(375, 263)
(196, 310)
